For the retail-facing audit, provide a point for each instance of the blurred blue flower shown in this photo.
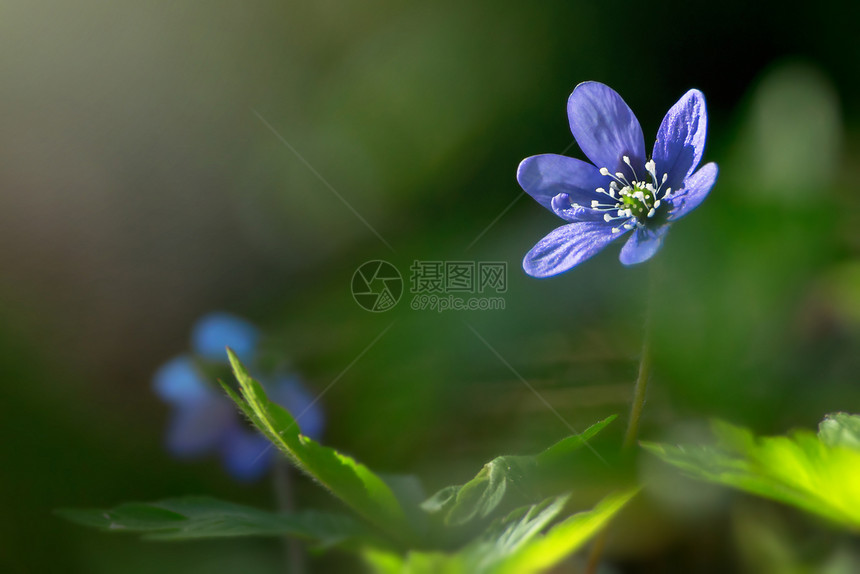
(621, 191)
(215, 331)
(204, 421)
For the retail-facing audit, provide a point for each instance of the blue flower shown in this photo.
(215, 331)
(622, 191)
(204, 421)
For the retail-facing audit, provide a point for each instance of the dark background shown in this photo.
(142, 186)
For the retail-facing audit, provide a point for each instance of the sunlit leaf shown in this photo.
(517, 544)
(541, 553)
(815, 473)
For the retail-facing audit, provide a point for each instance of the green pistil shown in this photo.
(638, 208)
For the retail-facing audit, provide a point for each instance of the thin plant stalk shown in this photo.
(294, 553)
(640, 389)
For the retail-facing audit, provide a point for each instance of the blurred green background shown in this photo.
(143, 186)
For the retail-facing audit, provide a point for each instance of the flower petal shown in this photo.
(247, 455)
(215, 331)
(199, 428)
(681, 139)
(567, 246)
(605, 128)
(178, 382)
(642, 245)
(545, 176)
(695, 190)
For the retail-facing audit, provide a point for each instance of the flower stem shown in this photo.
(645, 362)
(639, 392)
(630, 435)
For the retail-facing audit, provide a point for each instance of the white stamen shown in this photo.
(630, 165)
(604, 171)
(651, 212)
(656, 204)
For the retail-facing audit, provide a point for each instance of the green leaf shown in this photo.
(350, 481)
(512, 545)
(203, 517)
(442, 500)
(505, 479)
(840, 429)
(508, 536)
(562, 450)
(815, 473)
(481, 495)
(543, 552)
